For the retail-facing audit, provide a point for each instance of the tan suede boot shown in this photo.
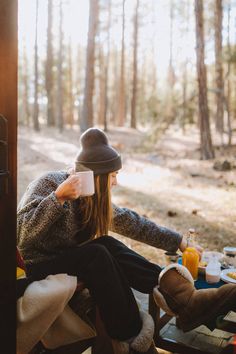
(177, 296)
(142, 343)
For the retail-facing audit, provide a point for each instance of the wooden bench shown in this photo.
(99, 344)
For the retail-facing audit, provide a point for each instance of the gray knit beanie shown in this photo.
(96, 154)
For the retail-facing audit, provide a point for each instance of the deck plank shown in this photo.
(200, 338)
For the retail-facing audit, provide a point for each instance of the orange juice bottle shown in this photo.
(190, 257)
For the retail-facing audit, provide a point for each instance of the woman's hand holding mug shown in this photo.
(76, 185)
(70, 189)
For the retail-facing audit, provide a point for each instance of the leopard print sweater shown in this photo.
(45, 227)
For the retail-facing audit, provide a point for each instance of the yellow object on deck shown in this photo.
(20, 273)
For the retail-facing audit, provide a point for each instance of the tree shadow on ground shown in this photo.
(201, 173)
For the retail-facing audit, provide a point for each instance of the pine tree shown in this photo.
(207, 151)
(87, 114)
(135, 68)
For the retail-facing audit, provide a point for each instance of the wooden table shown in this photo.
(201, 340)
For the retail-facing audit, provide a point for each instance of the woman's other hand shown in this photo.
(70, 189)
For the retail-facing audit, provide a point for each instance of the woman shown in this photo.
(61, 232)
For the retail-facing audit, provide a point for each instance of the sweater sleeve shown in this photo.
(128, 223)
(38, 211)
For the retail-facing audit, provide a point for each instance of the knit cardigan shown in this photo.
(45, 228)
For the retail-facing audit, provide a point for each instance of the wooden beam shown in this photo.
(8, 108)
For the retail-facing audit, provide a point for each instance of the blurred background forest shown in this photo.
(160, 77)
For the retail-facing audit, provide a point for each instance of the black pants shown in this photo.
(109, 269)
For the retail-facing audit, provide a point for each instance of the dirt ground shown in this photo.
(165, 181)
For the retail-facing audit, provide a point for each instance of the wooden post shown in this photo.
(8, 199)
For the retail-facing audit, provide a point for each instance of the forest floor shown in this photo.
(164, 180)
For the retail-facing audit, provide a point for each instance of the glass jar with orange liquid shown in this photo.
(190, 257)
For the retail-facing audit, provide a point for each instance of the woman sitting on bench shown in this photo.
(59, 231)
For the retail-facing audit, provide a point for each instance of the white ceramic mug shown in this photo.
(87, 182)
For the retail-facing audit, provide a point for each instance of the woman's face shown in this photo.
(113, 179)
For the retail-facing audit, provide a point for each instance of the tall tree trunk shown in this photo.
(60, 98)
(184, 92)
(219, 68)
(145, 87)
(228, 98)
(234, 83)
(87, 114)
(107, 68)
(185, 67)
(207, 151)
(171, 71)
(170, 109)
(103, 77)
(80, 63)
(121, 95)
(115, 74)
(101, 85)
(135, 68)
(70, 95)
(25, 70)
(36, 105)
(49, 68)
(154, 75)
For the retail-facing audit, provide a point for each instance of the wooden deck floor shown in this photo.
(200, 338)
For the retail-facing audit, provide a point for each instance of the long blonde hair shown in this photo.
(97, 209)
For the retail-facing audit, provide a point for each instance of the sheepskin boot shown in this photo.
(151, 350)
(175, 293)
(142, 343)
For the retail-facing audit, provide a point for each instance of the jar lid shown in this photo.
(230, 250)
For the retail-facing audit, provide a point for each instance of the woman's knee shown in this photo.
(98, 251)
(107, 240)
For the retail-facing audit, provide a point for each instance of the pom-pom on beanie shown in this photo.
(96, 154)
